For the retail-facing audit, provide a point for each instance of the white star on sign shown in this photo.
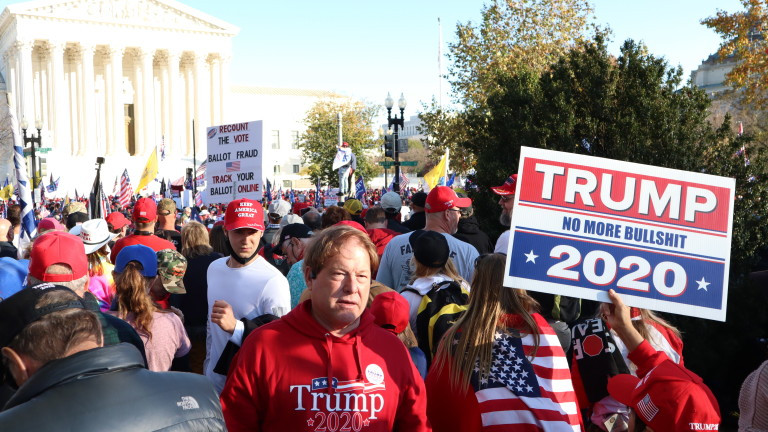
(702, 284)
(530, 257)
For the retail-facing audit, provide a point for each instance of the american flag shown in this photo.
(233, 166)
(519, 391)
(347, 386)
(269, 192)
(198, 199)
(404, 181)
(104, 203)
(126, 191)
(647, 408)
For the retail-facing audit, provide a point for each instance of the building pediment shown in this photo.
(167, 14)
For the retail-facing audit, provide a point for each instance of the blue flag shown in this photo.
(28, 223)
(269, 192)
(450, 180)
(291, 197)
(360, 188)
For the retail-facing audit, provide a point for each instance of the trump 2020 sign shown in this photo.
(660, 237)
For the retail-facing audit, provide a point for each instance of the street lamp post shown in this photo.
(394, 121)
(33, 140)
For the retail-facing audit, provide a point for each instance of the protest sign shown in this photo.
(660, 237)
(235, 162)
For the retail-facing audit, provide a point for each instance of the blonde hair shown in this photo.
(489, 301)
(329, 242)
(194, 240)
(449, 269)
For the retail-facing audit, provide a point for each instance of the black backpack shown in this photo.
(439, 309)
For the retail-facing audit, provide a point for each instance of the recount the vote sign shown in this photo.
(234, 162)
(660, 237)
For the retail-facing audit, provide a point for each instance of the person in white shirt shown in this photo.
(443, 212)
(242, 285)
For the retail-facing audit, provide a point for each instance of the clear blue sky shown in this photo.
(364, 49)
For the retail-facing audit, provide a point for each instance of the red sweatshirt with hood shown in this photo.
(280, 379)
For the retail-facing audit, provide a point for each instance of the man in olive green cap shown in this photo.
(171, 266)
(166, 222)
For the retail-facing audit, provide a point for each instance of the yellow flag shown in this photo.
(433, 177)
(6, 192)
(150, 171)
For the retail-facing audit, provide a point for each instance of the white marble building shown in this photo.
(115, 78)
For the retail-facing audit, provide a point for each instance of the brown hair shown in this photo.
(132, 297)
(489, 301)
(328, 243)
(55, 334)
(334, 215)
(218, 240)
(375, 215)
(194, 240)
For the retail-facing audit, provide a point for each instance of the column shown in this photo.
(215, 88)
(224, 87)
(202, 84)
(148, 101)
(138, 102)
(88, 122)
(59, 123)
(165, 83)
(25, 77)
(175, 107)
(189, 103)
(75, 82)
(118, 146)
(10, 65)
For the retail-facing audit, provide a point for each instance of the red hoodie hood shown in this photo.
(302, 321)
(380, 237)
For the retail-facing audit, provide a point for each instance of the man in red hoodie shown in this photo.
(326, 365)
(376, 226)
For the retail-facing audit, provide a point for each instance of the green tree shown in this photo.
(745, 42)
(632, 108)
(530, 34)
(319, 142)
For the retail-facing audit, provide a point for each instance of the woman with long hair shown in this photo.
(500, 366)
(161, 330)
(95, 236)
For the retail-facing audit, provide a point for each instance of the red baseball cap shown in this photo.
(668, 398)
(58, 247)
(145, 210)
(442, 198)
(49, 224)
(244, 213)
(117, 220)
(508, 188)
(391, 311)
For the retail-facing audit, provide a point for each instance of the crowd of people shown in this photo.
(377, 316)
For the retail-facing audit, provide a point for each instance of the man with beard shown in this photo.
(506, 194)
(242, 285)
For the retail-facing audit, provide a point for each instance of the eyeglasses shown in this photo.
(507, 198)
(454, 209)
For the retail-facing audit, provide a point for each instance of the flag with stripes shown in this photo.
(126, 192)
(28, 223)
(198, 199)
(519, 391)
(404, 181)
(104, 203)
(233, 166)
(269, 192)
(200, 175)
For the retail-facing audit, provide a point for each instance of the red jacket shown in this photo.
(279, 380)
(152, 241)
(381, 237)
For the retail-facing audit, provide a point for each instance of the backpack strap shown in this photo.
(409, 289)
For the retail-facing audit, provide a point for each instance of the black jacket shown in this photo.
(417, 221)
(469, 231)
(109, 389)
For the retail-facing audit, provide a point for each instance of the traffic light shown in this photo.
(389, 145)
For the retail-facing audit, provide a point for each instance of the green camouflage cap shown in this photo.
(171, 267)
(166, 206)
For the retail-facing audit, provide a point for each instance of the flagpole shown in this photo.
(447, 162)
